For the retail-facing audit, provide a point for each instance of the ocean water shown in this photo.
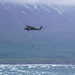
(38, 44)
(37, 69)
(33, 46)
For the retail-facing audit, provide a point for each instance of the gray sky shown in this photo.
(60, 2)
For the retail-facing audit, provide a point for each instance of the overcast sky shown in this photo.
(60, 2)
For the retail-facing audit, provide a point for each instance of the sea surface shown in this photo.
(37, 69)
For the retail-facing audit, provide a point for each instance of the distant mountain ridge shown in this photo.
(55, 17)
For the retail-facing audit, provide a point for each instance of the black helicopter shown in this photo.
(28, 27)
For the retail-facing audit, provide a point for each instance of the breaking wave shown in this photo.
(37, 69)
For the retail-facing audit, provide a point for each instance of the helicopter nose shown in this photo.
(24, 28)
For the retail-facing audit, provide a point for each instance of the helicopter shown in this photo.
(28, 28)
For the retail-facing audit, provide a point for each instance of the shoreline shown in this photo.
(37, 61)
